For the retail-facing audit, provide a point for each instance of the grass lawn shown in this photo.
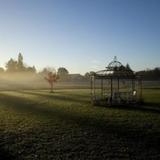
(38, 125)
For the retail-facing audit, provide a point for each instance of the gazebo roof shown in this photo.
(115, 69)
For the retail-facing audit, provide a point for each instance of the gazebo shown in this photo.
(116, 85)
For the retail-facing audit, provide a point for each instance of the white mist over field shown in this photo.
(13, 81)
(18, 81)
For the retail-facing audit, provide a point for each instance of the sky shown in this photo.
(81, 35)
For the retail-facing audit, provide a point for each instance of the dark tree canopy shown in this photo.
(62, 71)
(153, 74)
(128, 67)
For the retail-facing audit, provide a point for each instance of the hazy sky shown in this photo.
(81, 35)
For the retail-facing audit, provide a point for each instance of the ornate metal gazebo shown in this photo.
(116, 85)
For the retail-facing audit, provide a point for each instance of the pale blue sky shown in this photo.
(81, 35)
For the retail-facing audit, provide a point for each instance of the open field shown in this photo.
(38, 125)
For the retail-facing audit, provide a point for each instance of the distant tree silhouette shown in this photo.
(128, 67)
(11, 65)
(20, 65)
(62, 71)
(87, 75)
(31, 69)
(153, 74)
(91, 72)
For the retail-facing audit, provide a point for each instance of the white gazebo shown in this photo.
(116, 85)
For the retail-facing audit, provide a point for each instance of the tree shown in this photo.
(87, 75)
(20, 65)
(51, 78)
(62, 73)
(11, 65)
(31, 69)
(92, 73)
(150, 74)
(128, 67)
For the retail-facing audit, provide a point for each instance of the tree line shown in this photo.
(150, 74)
(18, 66)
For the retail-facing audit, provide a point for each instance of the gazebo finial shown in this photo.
(115, 58)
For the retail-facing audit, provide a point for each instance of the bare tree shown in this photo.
(51, 78)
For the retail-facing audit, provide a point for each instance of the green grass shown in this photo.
(38, 125)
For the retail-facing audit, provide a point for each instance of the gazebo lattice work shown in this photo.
(116, 85)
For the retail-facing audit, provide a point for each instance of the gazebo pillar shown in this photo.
(140, 81)
(133, 84)
(102, 88)
(118, 84)
(111, 90)
(93, 89)
(91, 79)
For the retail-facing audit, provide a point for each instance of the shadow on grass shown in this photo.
(133, 134)
(43, 109)
(83, 119)
(5, 155)
(145, 107)
(58, 97)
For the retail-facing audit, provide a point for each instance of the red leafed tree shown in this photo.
(51, 78)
